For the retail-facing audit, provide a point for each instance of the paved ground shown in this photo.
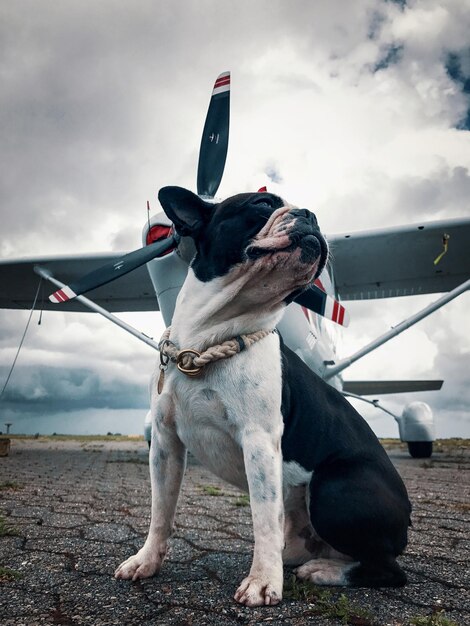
(75, 510)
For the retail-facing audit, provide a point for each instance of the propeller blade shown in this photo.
(318, 301)
(111, 271)
(214, 142)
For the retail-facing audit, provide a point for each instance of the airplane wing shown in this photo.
(384, 263)
(19, 283)
(400, 261)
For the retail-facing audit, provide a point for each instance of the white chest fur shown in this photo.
(212, 413)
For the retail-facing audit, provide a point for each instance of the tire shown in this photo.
(420, 449)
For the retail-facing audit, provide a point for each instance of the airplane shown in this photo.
(423, 258)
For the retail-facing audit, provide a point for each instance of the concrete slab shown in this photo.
(73, 510)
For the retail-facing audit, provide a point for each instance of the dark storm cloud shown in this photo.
(391, 55)
(49, 390)
(458, 68)
(400, 3)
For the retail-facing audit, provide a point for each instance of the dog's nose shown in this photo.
(306, 214)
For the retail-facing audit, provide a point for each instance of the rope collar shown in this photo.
(191, 362)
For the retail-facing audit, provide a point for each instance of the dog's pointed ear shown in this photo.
(188, 212)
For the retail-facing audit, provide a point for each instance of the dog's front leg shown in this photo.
(263, 466)
(167, 463)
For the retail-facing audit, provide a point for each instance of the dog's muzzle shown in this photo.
(289, 229)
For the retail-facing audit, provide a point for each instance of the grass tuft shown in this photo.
(437, 618)
(326, 605)
(6, 530)
(9, 485)
(7, 574)
(210, 490)
(243, 500)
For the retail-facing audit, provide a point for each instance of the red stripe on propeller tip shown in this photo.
(62, 295)
(224, 80)
(58, 296)
(221, 83)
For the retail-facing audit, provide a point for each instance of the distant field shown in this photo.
(59, 437)
(439, 444)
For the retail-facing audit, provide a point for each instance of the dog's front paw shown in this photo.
(258, 591)
(144, 564)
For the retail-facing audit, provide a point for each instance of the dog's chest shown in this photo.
(209, 430)
(211, 413)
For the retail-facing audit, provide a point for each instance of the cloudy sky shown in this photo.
(358, 110)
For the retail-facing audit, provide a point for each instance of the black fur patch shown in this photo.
(358, 502)
(234, 223)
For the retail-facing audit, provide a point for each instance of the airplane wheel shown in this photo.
(420, 449)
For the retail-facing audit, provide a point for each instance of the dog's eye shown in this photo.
(264, 201)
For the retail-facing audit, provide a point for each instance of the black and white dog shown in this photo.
(323, 493)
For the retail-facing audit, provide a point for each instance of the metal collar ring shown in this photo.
(189, 371)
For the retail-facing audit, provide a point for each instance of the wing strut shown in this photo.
(41, 271)
(22, 339)
(332, 369)
(375, 403)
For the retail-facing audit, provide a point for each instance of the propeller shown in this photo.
(315, 299)
(214, 142)
(115, 269)
(212, 157)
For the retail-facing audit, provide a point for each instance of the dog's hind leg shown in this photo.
(326, 571)
(337, 572)
(298, 530)
(167, 463)
(301, 541)
(364, 519)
